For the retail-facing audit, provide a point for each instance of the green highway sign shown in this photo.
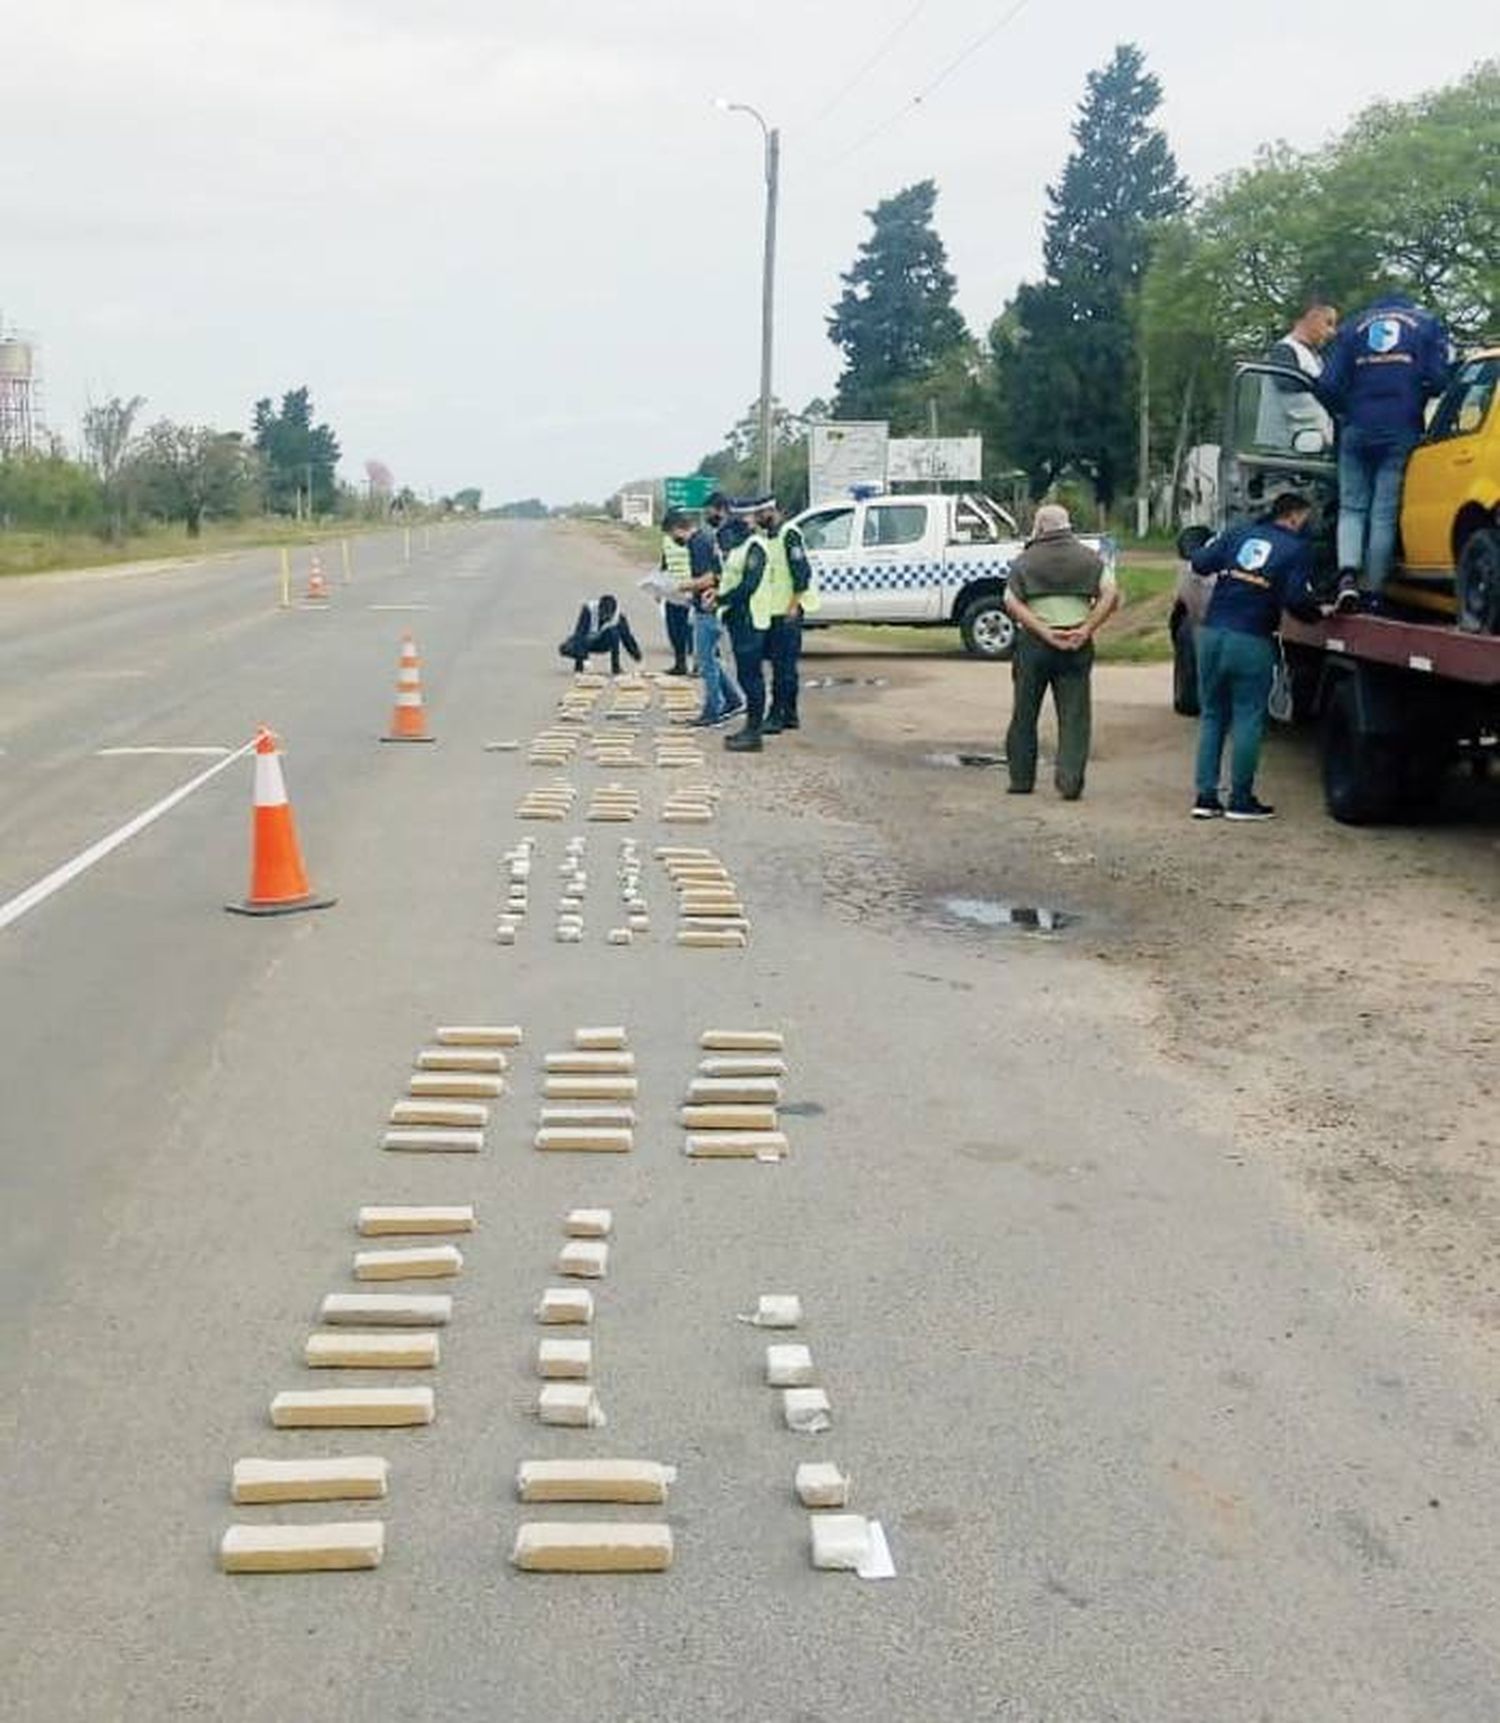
(689, 493)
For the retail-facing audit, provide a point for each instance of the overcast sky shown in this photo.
(517, 246)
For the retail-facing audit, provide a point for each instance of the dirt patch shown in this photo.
(1331, 991)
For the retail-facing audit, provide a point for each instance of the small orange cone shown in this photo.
(278, 880)
(317, 587)
(408, 720)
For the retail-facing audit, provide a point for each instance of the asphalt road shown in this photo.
(1145, 1446)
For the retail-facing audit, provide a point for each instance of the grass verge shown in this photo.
(43, 552)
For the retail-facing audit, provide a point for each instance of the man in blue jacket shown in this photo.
(1263, 568)
(1385, 365)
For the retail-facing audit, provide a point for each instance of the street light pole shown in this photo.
(768, 278)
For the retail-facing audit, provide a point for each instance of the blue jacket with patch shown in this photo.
(1384, 366)
(1263, 569)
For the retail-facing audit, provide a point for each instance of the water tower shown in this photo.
(18, 414)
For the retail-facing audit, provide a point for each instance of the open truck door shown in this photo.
(1278, 437)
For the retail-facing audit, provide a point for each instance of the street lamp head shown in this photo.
(723, 104)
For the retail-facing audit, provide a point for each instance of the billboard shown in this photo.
(842, 454)
(635, 508)
(934, 460)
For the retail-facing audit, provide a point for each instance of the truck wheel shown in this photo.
(1362, 780)
(987, 628)
(1478, 582)
(1184, 667)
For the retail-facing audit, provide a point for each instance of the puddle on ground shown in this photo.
(990, 912)
(981, 760)
(845, 682)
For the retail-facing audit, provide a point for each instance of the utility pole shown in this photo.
(1143, 476)
(768, 279)
(768, 305)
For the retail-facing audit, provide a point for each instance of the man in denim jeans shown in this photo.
(1386, 364)
(721, 694)
(722, 699)
(1263, 568)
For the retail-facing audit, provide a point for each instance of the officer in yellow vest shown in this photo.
(743, 607)
(766, 587)
(676, 563)
(793, 595)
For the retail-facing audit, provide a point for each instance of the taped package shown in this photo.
(849, 1543)
(820, 1484)
(789, 1367)
(571, 1403)
(806, 1410)
(775, 1310)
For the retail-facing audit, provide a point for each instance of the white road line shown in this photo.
(208, 753)
(400, 607)
(85, 859)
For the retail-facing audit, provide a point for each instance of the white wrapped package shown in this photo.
(594, 1481)
(806, 1410)
(776, 1310)
(820, 1484)
(588, 1258)
(572, 1403)
(789, 1367)
(564, 1360)
(588, 1223)
(565, 1304)
(840, 1542)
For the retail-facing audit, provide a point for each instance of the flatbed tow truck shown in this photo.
(1402, 697)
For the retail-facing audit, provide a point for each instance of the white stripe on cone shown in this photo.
(270, 785)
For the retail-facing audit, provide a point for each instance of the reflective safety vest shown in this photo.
(675, 559)
(733, 577)
(777, 581)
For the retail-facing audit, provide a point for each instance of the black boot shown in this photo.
(773, 725)
(746, 741)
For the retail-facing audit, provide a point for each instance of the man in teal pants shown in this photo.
(1263, 568)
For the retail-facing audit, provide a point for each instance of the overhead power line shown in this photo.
(887, 43)
(980, 41)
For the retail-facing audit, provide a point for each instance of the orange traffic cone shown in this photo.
(278, 880)
(408, 721)
(317, 587)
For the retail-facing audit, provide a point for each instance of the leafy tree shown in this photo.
(895, 320)
(736, 466)
(189, 472)
(299, 457)
(468, 499)
(1410, 193)
(1070, 352)
(1413, 191)
(528, 508)
(44, 490)
(106, 443)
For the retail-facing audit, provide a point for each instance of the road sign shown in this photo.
(933, 460)
(845, 453)
(691, 492)
(635, 508)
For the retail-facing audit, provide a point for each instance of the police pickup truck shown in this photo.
(921, 560)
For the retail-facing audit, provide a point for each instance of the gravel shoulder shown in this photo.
(1327, 991)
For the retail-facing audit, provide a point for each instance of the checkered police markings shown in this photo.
(894, 577)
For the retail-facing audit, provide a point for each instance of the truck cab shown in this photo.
(928, 559)
(1279, 438)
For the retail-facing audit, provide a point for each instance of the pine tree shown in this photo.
(895, 320)
(300, 458)
(1072, 373)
